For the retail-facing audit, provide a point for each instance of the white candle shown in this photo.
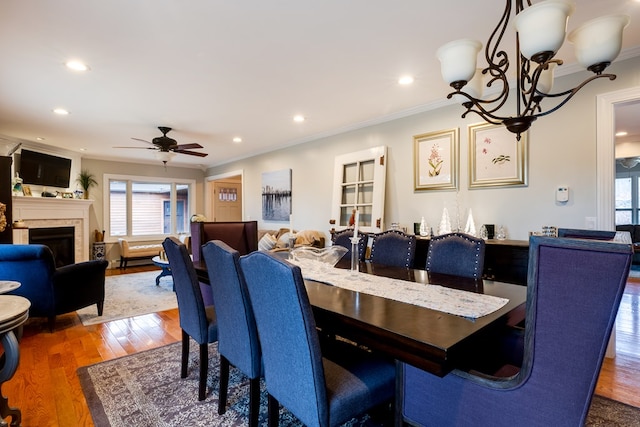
(291, 224)
(355, 224)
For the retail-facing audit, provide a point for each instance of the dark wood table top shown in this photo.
(431, 340)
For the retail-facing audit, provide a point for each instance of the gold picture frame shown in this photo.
(67, 195)
(496, 157)
(26, 190)
(435, 160)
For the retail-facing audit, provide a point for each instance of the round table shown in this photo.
(8, 286)
(164, 265)
(14, 311)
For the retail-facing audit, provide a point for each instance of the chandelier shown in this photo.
(540, 32)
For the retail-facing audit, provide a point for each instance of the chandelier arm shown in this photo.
(495, 39)
(489, 119)
(571, 93)
(479, 109)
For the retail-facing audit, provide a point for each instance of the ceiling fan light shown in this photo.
(164, 156)
(629, 162)
(599, 40)
(458, 60)
(542, 27)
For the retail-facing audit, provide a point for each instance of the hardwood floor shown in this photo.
(46, 388)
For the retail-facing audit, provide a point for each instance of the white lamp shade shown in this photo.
(458, 60)
(164, 156)
(545, 81)
(599, 40)
(542, 26)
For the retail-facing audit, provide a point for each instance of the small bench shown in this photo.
(136, 252)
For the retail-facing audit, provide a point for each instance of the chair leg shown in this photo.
(254, 401)
(224, 384)
(273, 411)
(121, 262)
(100, 305)
(185, 354)
(204, 367)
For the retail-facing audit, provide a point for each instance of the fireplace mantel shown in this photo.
(38, 212)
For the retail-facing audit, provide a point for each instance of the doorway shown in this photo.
(224, 197)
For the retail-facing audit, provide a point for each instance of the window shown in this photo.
(147, 207)
(359, 182)
(627, 198)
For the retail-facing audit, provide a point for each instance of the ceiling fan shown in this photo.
(167, 147)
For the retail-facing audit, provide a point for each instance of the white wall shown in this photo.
(562, 151)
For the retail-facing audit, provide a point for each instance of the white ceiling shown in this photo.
(213, 70)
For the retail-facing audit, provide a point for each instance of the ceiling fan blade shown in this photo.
(142, 140)
(187, 146)
(191, 153)
(139, 148)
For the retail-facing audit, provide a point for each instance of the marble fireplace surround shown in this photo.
(43, 212)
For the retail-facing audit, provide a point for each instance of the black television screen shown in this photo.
(44, 169)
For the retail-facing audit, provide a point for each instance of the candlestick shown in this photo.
(355, 225)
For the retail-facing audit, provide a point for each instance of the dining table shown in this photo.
(427, 338)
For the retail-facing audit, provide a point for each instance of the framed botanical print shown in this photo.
(496, 157)
(435, 160)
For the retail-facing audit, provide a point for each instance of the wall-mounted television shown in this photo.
(44, 169)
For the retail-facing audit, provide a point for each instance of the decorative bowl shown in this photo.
(328, 256)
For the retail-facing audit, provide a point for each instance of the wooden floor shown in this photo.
(46, 388)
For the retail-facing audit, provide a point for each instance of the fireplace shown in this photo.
(61, 241)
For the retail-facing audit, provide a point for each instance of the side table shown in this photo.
(164, 265)
(14, 312)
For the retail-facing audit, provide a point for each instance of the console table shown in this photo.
(504, 260)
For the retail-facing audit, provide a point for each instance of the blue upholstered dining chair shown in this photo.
(457, 254)
(237, 335)
(573, 294)
(196, 320)
(343, 238)
(318, 391)
(394, 248)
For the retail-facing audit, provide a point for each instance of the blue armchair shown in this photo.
(52, 291)
(573, 294)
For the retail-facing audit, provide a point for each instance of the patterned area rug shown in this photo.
(145, 390)
(128, 295)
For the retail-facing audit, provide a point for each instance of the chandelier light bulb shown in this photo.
(545, 82)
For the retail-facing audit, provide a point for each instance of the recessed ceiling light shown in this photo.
(61, 111)
(83, 149)
(299, 118)
(76, 65)
(405, 80)
(237, 139)
(39, 138)
(621, 133)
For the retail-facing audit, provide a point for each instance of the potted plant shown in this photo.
(86, 180)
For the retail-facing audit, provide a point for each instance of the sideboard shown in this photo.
(504, 260)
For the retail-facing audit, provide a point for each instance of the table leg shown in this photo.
(8, 368)
(165, 272)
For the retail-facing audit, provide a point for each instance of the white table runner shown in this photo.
(435, 297)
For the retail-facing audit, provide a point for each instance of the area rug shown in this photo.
(145, 390)
(128, 295)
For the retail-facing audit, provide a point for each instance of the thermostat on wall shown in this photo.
(562, 194)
